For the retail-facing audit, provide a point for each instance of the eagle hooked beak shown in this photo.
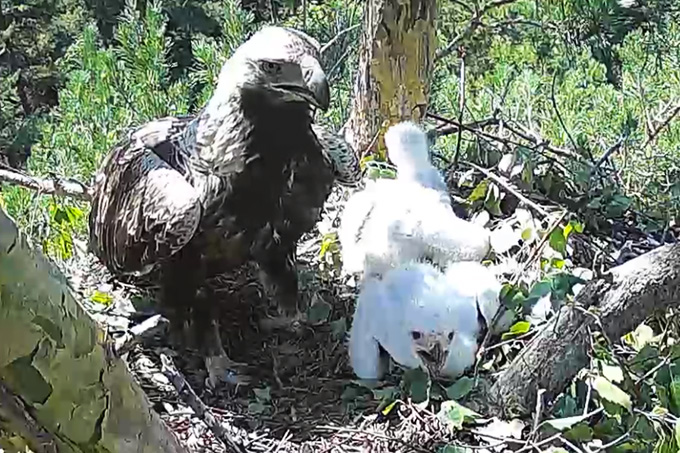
(316, 81)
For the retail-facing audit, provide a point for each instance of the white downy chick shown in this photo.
(477, 283)
(422, 318)
(393, 221)
(407, 148)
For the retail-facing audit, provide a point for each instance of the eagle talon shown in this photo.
(222, 370)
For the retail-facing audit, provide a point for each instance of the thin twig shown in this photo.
(146, 329)
(199, 407)
(327, 46)
(461, 109)
(655, 133)
(507, 186)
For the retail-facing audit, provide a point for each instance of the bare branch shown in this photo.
(474, 23)
(199, 407)
(508, 186)
(52, 186)
(327, 46)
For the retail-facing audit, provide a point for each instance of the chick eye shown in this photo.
(450, 336)
(415, 335)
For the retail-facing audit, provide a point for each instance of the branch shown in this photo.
(200, 409)
(508, 186)
(655, 133)
(473, 24)
(52, 186)
(615, 304)
(327, 46)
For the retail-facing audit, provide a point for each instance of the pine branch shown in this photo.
(50, 186)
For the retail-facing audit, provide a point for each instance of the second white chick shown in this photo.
(422, 317)
(393, 221)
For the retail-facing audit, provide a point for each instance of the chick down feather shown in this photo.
(393, 221)
(422, 317)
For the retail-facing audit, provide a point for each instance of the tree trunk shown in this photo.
(615, 305)
(61, 386)
(395, 67)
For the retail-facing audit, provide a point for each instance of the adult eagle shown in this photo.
(186, 199)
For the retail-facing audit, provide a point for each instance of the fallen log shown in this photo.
(613, 305)
(62, 387)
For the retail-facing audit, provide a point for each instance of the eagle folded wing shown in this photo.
(144, 210)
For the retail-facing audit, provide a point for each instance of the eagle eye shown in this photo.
(271, 67)
(450, 336)
(415, 335)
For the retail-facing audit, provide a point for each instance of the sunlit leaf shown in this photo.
(101, 298)
(612, 393)
(518, 328)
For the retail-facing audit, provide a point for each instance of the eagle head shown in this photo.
(283, 61)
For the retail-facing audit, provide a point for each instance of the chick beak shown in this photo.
(317, 83)
(433, 358)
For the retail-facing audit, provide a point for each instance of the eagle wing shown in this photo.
(143, 207)
(338, 154)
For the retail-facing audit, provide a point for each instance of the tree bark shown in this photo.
(61, 386)
(615, 305)
(396, 60)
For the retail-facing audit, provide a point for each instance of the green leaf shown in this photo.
(319, 311)
(455, 415)
(612, 393)
(339, 327)
(460, 388)
(518, 328)
(580, 433)
(561, 424)
(386, 411)
(327, 244)
(101, 298)
(263, 394)
(674, 388)
(479, 192)
(256, 408)
(418, 384)
(677, 435)
(557, 241)
(386, 393)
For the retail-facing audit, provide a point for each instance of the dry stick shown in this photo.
(461, 110)
(194, 402)
(53, 186)
(507, 186)
(146, 329)
(327, 46)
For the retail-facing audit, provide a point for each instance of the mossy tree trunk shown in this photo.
(61, 386)
(396, 61)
